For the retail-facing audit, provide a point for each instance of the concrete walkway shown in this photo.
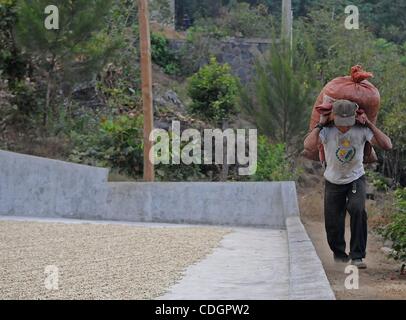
(248, 264)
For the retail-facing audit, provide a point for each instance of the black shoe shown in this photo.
(341, 259)
(359, 263)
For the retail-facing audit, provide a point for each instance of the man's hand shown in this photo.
(363, 119)
(324, 119)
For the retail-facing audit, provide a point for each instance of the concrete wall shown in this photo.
(244, 204)
(32, 186)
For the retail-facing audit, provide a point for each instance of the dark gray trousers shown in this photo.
(338, 199)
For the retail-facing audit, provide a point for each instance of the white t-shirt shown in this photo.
(344, 153)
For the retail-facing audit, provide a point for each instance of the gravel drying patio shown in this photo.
(98, 261)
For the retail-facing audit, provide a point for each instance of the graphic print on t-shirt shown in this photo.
(345, 151)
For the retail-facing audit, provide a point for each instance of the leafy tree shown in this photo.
(120, 81)
(394, 162)
(78, 48)
(123, 14)
(213, 90)
(385, 18)
(336, 48)
(273, 164)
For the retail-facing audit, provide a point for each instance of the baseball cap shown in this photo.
(345, 112)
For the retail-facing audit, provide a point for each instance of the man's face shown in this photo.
(341, 128)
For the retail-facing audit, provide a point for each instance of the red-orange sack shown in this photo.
(355, 88)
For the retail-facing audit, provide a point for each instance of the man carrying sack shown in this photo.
(344, 142)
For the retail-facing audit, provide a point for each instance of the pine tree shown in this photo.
(78, 47)
(280, 100)
(12, 64)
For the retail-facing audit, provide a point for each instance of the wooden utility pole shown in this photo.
(287, 22)
(146, 78)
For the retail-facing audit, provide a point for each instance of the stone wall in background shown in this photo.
(163, 15)
(240, 53)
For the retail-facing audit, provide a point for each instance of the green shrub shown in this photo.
(124, 139)
(178, 172)
(181, 172)
(378, 181)
(396, 230)
(162, 55)
(25, 97)
(22, 106)
(273, 164)
(213, 90)
(117, 144)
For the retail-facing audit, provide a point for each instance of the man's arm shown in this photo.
(312, 140)
(380, 139)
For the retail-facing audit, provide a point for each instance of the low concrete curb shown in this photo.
(307, 279)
